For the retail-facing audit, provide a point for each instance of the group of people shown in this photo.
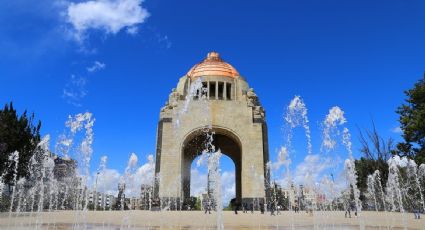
(245, 208)
(273, 207)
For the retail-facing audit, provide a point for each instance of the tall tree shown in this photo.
(17, 133)
(376, 152)
(412, 123)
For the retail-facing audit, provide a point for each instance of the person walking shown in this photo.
(348, 210)
(272, 208)
(208, 207)
(416, 210)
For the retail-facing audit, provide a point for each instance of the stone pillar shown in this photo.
(216, 90)
(170, 167)
(208, 92)
(253, 187)
(225, 91)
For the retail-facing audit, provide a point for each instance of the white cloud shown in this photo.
(145, 173)
(309, 171)
(198, 182)
(282, 159)
(228, 187)
(142, 175)
(134, 177)
(109, 16)
(97, 65)
(164, 40)
(75, 90)
(132, 30)
(108, 180)
(396, 130)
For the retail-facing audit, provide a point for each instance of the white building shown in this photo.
(101, 201)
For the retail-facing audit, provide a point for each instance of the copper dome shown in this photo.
(213, 65)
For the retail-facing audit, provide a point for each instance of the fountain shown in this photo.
(40, 198)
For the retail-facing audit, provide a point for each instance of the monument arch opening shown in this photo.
(197, 142)
(202, 185)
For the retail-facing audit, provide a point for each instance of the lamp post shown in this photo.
(95, 192)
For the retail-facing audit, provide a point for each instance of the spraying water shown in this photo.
(394, 189)
(215, 177)
(334, 118)
(14, 159)
(414, 188)
(296, 115)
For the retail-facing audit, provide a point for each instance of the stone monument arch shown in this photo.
(236, 119)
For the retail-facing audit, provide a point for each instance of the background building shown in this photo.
(146, 197)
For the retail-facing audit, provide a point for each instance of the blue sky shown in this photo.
(359, 55)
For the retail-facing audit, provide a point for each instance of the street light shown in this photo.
(95, 192)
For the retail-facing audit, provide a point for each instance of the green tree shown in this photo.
(17, 133)
(412, 123)
(198, 204)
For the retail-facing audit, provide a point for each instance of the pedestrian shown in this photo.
(416, 211)
(208, 207)
(354, 208)
(262, 208)
(347, 211)
(272, 209)
(252, 207)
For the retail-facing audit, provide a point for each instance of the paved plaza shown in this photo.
(199, 220)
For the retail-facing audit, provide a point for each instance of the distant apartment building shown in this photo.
(101, 201)
(302, 197)
(134, 203)
(146, 197)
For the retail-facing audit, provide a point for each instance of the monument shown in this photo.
(232, 112)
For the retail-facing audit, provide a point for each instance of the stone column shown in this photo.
(208, 92)
(216, 90)
(225, 91)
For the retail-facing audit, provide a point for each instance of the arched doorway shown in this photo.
(200, 183)
(196, 142)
